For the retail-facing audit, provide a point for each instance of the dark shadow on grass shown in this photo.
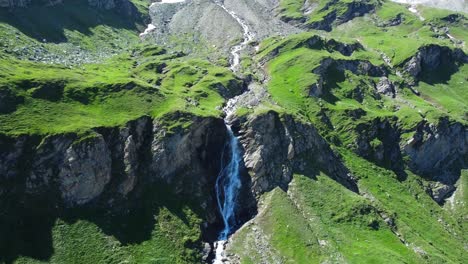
(49, 23)
(26, 225)
(439, 74)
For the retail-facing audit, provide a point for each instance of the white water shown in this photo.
(228, 182)
(228, 185)
(248, 36)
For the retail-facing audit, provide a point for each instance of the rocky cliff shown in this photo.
(278, 146)
(110, 163)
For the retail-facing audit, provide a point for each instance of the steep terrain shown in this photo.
(123, 123)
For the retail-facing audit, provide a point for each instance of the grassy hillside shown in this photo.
(147, 81)
(71, 68)
(165, 228)
(393, 219)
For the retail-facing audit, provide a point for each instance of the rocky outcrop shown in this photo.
(278, 146)
(432, 60)
(313, 42)
(334, 14)
(378, 141)
(438, 150)
(85, 171)
(185, 158)
(330, 67)
(110, 163)
(439, 153)
(386, 87)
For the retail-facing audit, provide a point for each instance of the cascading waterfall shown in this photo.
(228, 183)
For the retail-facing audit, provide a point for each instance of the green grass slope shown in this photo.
(392, 219)
(146, 81)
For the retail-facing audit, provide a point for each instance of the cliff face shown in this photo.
(276, 147)
(112, 162)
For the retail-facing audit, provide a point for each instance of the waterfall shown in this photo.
(228, 184)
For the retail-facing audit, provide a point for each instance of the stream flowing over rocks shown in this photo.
(176, 24)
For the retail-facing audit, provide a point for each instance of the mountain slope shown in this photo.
(351, 119)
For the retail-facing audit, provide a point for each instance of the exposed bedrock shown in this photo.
(379, 142)
(278, 146)
(332, 71)
(352, 9)
(434, 63)
(111, 162)
(439, 152)
(188, 25)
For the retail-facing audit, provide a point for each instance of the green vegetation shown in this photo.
(165, 228)
(147, 81)
(392, 219)
(321, 14)
(293, 78)
(72, 68)
(319, 220)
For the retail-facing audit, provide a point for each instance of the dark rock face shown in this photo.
(179, 156)
(9, 100)
(276, 147)
(438, 151)
(317, 42)
(331, 70)
(397, 20)
(434, 63)
(379, 142)
(112, 162)
(353, 9)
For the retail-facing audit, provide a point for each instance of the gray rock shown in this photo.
(378, 141)
(85, 172)
(429, 58)
(385, 86)
(435, 149)
(275, 147)
(440, 191)
(359, 67)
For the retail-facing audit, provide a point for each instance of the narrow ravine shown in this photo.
(228, 183)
